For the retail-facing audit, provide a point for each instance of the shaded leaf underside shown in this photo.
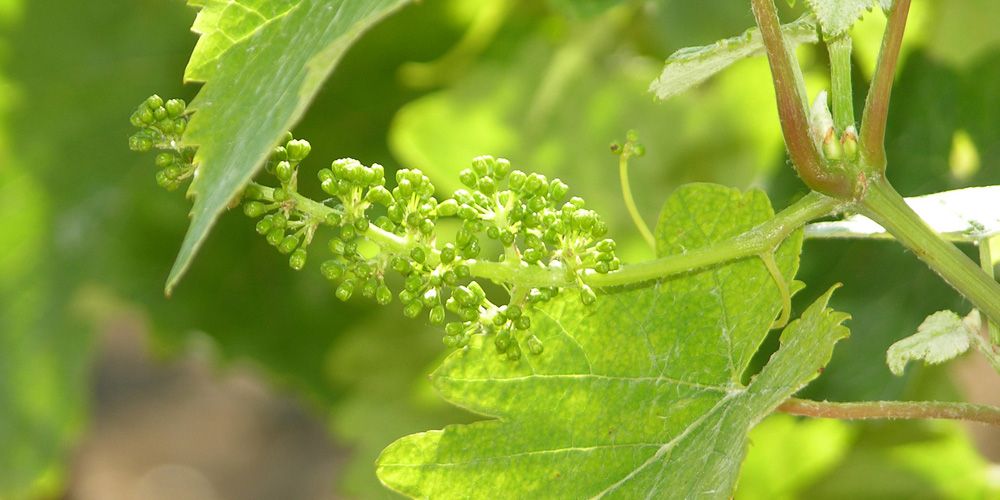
(638, 395)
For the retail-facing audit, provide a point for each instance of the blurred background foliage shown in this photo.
(86, 237)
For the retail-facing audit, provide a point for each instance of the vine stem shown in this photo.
(877, 105)
(840, 77)
(633, 210)
(886, 207)
(986, 263)
(892, 410)
(806, 159)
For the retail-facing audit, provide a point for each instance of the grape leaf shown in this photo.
(970, 214)
(259, 86)
(639, 394)
(837, 16)
(688, 67)
(224, 23)
(941, 337)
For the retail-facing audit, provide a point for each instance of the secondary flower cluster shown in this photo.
(161, 125)
(386, 239)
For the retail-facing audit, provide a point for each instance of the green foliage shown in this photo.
(252, 105)
(941, 337)
(837, 16)
(688, 67)
(656, 409)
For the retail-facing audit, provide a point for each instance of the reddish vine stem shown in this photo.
(893, 410)
(794, 123)
(877, 106)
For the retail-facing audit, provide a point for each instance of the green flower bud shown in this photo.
(345, 290)
(383, 295)
(263, 226)
(380, 195)
(514, 353)
(160, 113)
(287, 137)
(502, 342)
(140, 143)
(333, 219)
(832, 148)
(472, 250)
(513, 311)
(275, 236)
(413, 309)
(163, 180)
(463, 271)
(483, 165)
(466, 212)
(447, 208)
(558, 189)
(517, 180)
(253, 192)
(332, 270)
(507, 238)
(535, 345)
(418, 254)
(369, 288)
(254, 209)
(487, 185)
(849, 143)
(501, 168)
(298, 259)
(154, 101)
(522, 323)
(468, 178)
(175, 107)
(136, 119)
(164, 159)
(280, 195)
(279, 220)
(427, 227)
(401, 266)
(288, 244)
(535, 182)
(587, 295)
(436, 315)
(283, 171)
(348, 232)
(298, 149)
(337, 246)
(447, 253)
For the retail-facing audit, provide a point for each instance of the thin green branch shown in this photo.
(886, 207)
(877, 106)
(786, 295)
(761, 239)
(840, 76)
(633, 210)
(986, 263)
(753, 243)
(794, 122)
(893, 410)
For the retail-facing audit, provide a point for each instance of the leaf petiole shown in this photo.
(893, 410)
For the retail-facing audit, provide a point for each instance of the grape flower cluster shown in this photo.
(161, 124)
(385, 243)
